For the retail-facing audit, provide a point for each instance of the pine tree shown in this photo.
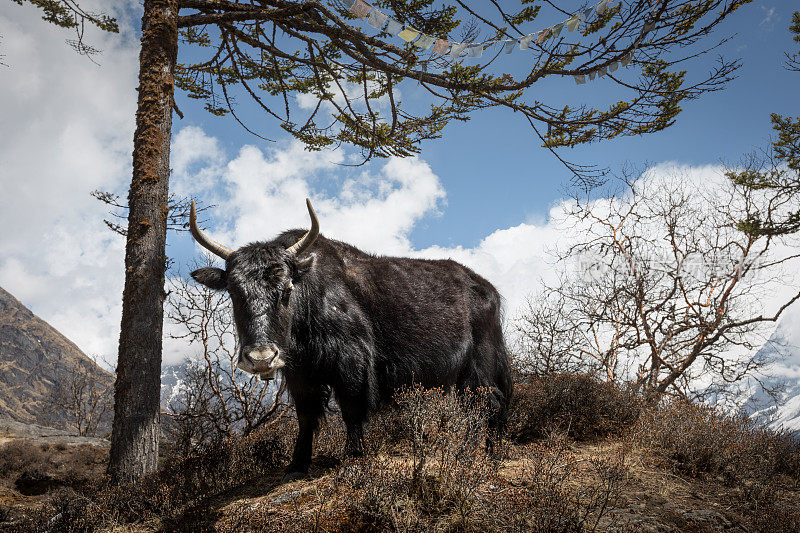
(778, 169)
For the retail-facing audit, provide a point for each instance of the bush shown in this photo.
(701, 441)
(577, 404)
(35, 469)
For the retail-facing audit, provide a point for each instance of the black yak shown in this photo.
(338, 320)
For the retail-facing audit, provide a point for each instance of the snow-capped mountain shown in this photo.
(780, 410)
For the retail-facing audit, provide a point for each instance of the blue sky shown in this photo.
(482, 194)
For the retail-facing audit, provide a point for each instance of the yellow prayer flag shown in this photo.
(408, 34)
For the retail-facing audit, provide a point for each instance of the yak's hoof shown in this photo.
(288, 477)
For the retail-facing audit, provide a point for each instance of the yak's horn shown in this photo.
(205, 241)
(310, 236)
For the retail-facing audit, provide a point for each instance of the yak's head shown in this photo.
(260, 278)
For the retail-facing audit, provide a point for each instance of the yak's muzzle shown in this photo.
(262, 360)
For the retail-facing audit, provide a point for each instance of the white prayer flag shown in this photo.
(525, 42)
(573, 22)
(626, 59)
(377, 19)
(613, 66)
(394, 27)
(557, 29)
(587, 13)
(580, 79)
(602, 71)
(602, 6)
(475, 50)
(457, 49)
(348, 3)
(508, 45)
(592, 75)
(424, 42)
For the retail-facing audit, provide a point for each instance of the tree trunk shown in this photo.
(134, 439)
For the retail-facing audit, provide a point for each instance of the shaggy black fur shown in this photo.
(363, 326)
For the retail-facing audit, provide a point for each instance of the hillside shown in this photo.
(35, 360)
(579, 456)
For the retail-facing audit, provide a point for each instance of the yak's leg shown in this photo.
(474, 380)
(309, 407)
(354, 413)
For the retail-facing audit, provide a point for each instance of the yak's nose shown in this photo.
(261, 359)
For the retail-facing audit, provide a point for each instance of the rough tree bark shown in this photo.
(134, 439)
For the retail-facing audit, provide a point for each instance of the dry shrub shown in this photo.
(702, 441)
(36, 468)
(441, 478)
(577, 404)
(548, 494)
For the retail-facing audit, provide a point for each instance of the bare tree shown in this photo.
(84, 397)
(665, 291)
(214, 401)
(546, 338)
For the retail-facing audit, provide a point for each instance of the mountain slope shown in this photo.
(780, 409)
(35, 360)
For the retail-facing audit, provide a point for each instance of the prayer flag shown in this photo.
(457, 49)
(587, 13)
(377, 19)
(475, 50)
(542, 35)
(394, 27)
(508, 45)
(408, 34)
(360, 9)
(602, 6)
(573, 22)
(525, 42)
(424, 42)
(592, 75)
(626, 59)
(602, 71)
(348, 3)
(557, 29)
(441, 47)
(580, 79)
(613, 66)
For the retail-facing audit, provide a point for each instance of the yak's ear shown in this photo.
(304, 266)
(211, 277)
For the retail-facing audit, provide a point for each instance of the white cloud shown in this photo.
(346, 91)
(67, 127)
(770, 17)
